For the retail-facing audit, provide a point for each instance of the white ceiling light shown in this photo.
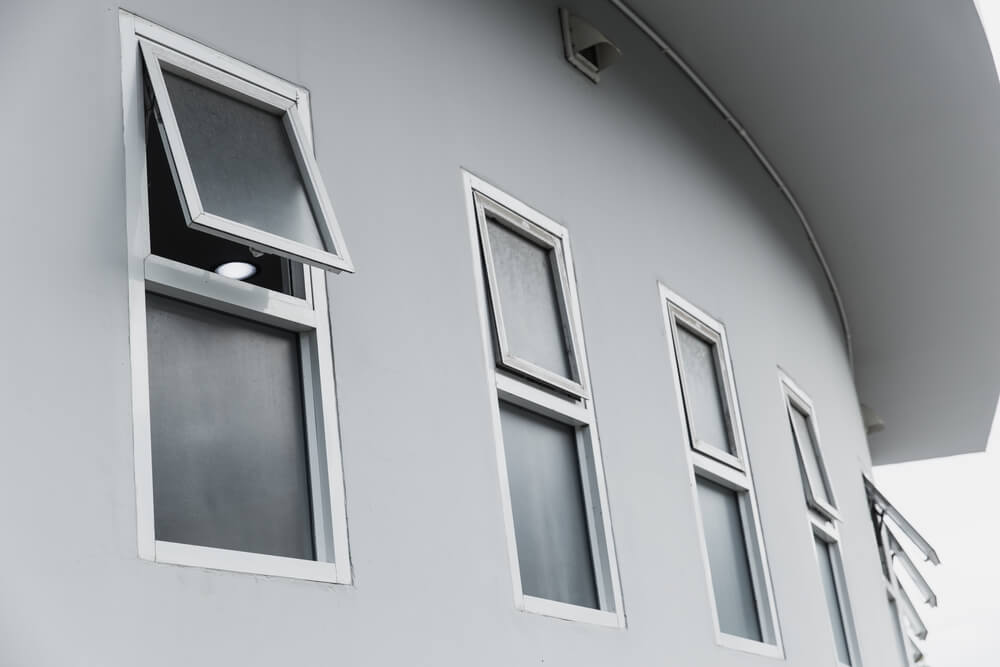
(236, 270)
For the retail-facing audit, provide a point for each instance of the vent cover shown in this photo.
(586, 48)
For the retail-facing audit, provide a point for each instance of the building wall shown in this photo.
(653, 186)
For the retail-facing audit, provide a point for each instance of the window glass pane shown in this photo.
(550, 522)
(826, 572)
(170, 237)
(228, 444)
(807, 448)
(904, 653)
(529, 303)
(703, 397)
(242, 161)
(735, 600)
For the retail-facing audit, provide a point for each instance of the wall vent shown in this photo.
(586, 48)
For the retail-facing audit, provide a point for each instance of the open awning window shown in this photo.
(242, 161)
(882, 509)
(887, 520)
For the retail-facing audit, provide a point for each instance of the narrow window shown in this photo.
(235, 425)
(742, 598)
(823, 518)
(555, 501)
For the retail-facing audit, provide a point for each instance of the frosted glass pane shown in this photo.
(735, 600)
(904, 652)
(529, 301)
(832, 600)
(703, 397)
(170, 237)
(228, 444)
(807, 447)
(242, 161)
(550, 521)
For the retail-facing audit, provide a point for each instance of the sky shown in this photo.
(953, 502)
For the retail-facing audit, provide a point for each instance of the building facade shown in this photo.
(532, 370)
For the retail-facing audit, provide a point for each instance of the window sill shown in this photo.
(750, 646)
(571, 612)
(249, 563)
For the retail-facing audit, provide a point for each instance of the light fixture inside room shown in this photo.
(236, 270)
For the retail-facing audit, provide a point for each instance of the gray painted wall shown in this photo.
(652, 185)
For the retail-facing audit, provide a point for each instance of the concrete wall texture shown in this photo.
(652, 185)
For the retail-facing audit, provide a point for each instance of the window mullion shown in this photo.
(721, 473)
(205, 288)
(545, 403)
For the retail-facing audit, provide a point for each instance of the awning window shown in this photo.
(242, 160)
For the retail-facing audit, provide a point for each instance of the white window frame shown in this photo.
(554, 239)
(253, 87)
(534, 394)
(308, 316)
(734, 475)
(797, 399)
(713, 337)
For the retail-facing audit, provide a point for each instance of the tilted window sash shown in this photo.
(330, 250)
(730, 452)
(899, 555)
(805, 434)
(572, 380)
(883, 507)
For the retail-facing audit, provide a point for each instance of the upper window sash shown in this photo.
(714, 337)
(818, 489)
(555, 242)
(159, 59)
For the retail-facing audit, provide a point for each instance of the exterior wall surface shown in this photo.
(652, 185)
